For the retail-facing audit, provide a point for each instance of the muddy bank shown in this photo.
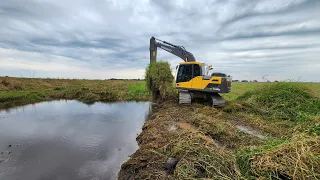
(179, 142)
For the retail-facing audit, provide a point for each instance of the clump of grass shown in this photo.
(159, 80)
(200, 160)
(314, 130)
(221, 130)
(285, 101)
(11, 84)
(89, 97)
(137, 90)
(298, 158)
(245, 155)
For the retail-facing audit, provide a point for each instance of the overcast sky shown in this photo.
(110, 38)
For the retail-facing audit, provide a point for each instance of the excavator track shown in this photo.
(184, 97)
(217, 100)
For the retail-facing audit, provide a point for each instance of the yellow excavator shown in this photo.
(192, 78)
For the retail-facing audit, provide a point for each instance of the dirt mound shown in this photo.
(159, 80)
(285, 101)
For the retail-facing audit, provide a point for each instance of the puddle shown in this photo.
(251, 132)
(69, 139)
(185, 126)
(172, 127)
(218, 145)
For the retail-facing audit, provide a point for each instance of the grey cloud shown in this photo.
(251, 12)
(115, 34)
(107, 43)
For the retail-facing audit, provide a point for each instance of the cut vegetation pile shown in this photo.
(298, 158)
(207, 143)
(159, 80)
(169, 135)
(290, 105)
(283, 101)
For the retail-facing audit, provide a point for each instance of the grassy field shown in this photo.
(19, 91)
(29, 90)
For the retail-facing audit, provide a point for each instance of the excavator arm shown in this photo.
(179, 51)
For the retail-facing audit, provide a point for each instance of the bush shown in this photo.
(159, 80)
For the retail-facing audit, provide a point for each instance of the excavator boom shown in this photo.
(179, 51)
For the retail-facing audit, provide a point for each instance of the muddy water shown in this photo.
(251, 132)
(69, 139)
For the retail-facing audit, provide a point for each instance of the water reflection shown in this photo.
(69, 139)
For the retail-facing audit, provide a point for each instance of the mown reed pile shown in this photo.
(295, 158)
(159, 80)
(196, 154)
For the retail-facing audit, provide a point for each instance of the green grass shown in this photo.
(238, 88)
(284, 101)
(244, 155)
(139, 89)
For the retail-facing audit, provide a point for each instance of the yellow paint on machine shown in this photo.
(196, 82)
(199, 83)
(184, 84)
(199, 63)
(212, 80)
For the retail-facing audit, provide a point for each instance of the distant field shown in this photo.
(238, 88)
(27, 90)
(19, 91)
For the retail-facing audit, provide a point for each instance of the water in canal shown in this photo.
(69, 139)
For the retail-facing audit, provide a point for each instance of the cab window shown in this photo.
(196, 70)
(184, 73)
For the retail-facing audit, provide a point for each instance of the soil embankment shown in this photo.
(240, 141)
(200, 138)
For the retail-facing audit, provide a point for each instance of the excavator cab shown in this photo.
(194, 76)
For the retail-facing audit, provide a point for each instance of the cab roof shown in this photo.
(199, 63)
